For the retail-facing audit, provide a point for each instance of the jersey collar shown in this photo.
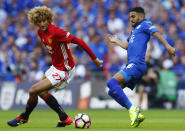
(139, 23)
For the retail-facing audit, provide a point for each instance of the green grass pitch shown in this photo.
(102, 120)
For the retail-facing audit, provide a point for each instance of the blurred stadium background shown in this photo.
(23, 60)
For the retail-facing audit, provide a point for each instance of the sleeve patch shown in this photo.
(67, 35)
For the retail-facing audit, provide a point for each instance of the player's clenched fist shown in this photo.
(98, 62)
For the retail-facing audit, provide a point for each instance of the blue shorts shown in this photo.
(132, 74)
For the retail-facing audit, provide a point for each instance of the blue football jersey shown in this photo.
(138, 41)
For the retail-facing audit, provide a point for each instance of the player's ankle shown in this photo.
(131, 108)
(24, 116)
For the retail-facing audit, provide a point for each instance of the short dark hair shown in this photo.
(137, 10)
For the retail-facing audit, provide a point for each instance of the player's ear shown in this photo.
(142, 16)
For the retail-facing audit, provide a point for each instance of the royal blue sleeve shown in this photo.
(149, 28)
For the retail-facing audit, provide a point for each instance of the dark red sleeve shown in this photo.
(84, 46)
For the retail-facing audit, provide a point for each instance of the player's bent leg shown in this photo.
(117, 93)
(52, 102)
(33, 96)
(31, 103)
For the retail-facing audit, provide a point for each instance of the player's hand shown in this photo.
(171, 51)
(111, 38)
(98, 62)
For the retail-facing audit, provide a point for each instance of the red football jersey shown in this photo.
(56, 42)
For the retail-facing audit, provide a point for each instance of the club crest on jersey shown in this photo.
(49, 40)
(132, 39)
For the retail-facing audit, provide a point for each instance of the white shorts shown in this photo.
(59, 79)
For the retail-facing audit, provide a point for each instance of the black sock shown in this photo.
(53, 104)
(31, 104)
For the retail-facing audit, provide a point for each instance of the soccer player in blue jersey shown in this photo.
(136, 66)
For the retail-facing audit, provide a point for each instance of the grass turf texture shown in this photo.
(102, 120)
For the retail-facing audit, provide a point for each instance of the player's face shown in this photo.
(134, 18)
(43, 25)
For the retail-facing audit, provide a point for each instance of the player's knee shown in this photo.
(111, 83)
(32, 91)
(112, 86)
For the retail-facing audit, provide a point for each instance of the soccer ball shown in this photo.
(82, 121)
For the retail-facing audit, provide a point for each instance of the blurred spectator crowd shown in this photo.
(22, 57)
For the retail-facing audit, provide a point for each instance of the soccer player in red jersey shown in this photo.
(61, 72)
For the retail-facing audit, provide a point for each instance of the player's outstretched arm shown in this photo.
(114, 39)
(169, 48)
(85, 47)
